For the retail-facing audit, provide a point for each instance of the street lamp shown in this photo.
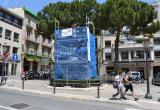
(90, 22)
(146, 42)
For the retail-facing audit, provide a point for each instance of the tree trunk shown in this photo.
(117, 51)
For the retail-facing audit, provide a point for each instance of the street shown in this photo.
(13, 100)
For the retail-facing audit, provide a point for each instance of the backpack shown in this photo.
(115, 85)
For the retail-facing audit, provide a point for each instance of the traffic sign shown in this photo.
(5, 54)
(15, 57)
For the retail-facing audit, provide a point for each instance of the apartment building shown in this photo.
(10, 41)
(131, 54)
(37, 51)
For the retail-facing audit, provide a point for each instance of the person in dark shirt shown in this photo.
(128, 84)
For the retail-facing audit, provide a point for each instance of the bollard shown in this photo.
(98, 91)
(22, 84)
(54, 88)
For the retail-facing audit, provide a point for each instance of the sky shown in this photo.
(37, 5)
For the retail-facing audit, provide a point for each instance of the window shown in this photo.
(16, 21)
(8, 34)
(0, 49)
(148, 54)
(29, 33)
(157, 40)
(16, 36)
(29, 22)
(140, 54)
(157, 54)
(139, 40)
(22, 47)
(15, 50)
(132, 54)
(9, 18)
(1, 29)
(124, 55)
(107, 56)
(108, 44)
(1, 14)
(36, 36)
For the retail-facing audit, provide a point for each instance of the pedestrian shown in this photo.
(119, 82)
(128, 85)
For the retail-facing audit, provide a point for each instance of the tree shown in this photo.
(68, 14)
(133, 14)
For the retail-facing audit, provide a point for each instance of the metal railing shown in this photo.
(133, 45)
(10, 22)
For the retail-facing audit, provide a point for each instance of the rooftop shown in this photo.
(30, 12)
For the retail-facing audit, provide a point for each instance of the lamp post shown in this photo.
(146, 41)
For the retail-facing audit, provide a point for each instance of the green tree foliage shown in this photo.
(68, 14)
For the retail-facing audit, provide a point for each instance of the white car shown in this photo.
(156, 79)
(136, 76)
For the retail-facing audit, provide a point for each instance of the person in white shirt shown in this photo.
(119, 81)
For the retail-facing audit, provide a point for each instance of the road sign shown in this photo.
(15, 57)
(5, 54)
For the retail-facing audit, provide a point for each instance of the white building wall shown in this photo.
(11, 43)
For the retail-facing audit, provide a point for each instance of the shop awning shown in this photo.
(28, 58)
(36, 59)
(32, 58)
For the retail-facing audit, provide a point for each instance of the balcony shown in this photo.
(10, 22)
(46, 55)
(33, 52)
(157, 59)
(32, 38)
(8, 37)
(46, 43)
(132, 45)
(107, 50)
(16, 40)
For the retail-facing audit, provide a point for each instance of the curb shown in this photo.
(70, 96)
(81, 97)
(75, 89)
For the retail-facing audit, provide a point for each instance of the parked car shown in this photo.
(111, 77)
(136, 77)
(156, 79)
(45, 74)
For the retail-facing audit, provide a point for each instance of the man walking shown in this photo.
(119, 82)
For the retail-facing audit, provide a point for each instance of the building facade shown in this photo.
(131, 54)
(10, 41)
(37, 52)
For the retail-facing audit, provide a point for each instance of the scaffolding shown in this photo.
(75, 57)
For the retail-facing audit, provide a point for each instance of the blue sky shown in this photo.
(37, 5)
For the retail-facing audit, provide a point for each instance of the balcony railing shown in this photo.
(7, 37)
(46, 55)
(10, 22)
(33, 52)
(157, 58)
(16, 40)
(132, 45)
(48, 45)
(32, 38)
